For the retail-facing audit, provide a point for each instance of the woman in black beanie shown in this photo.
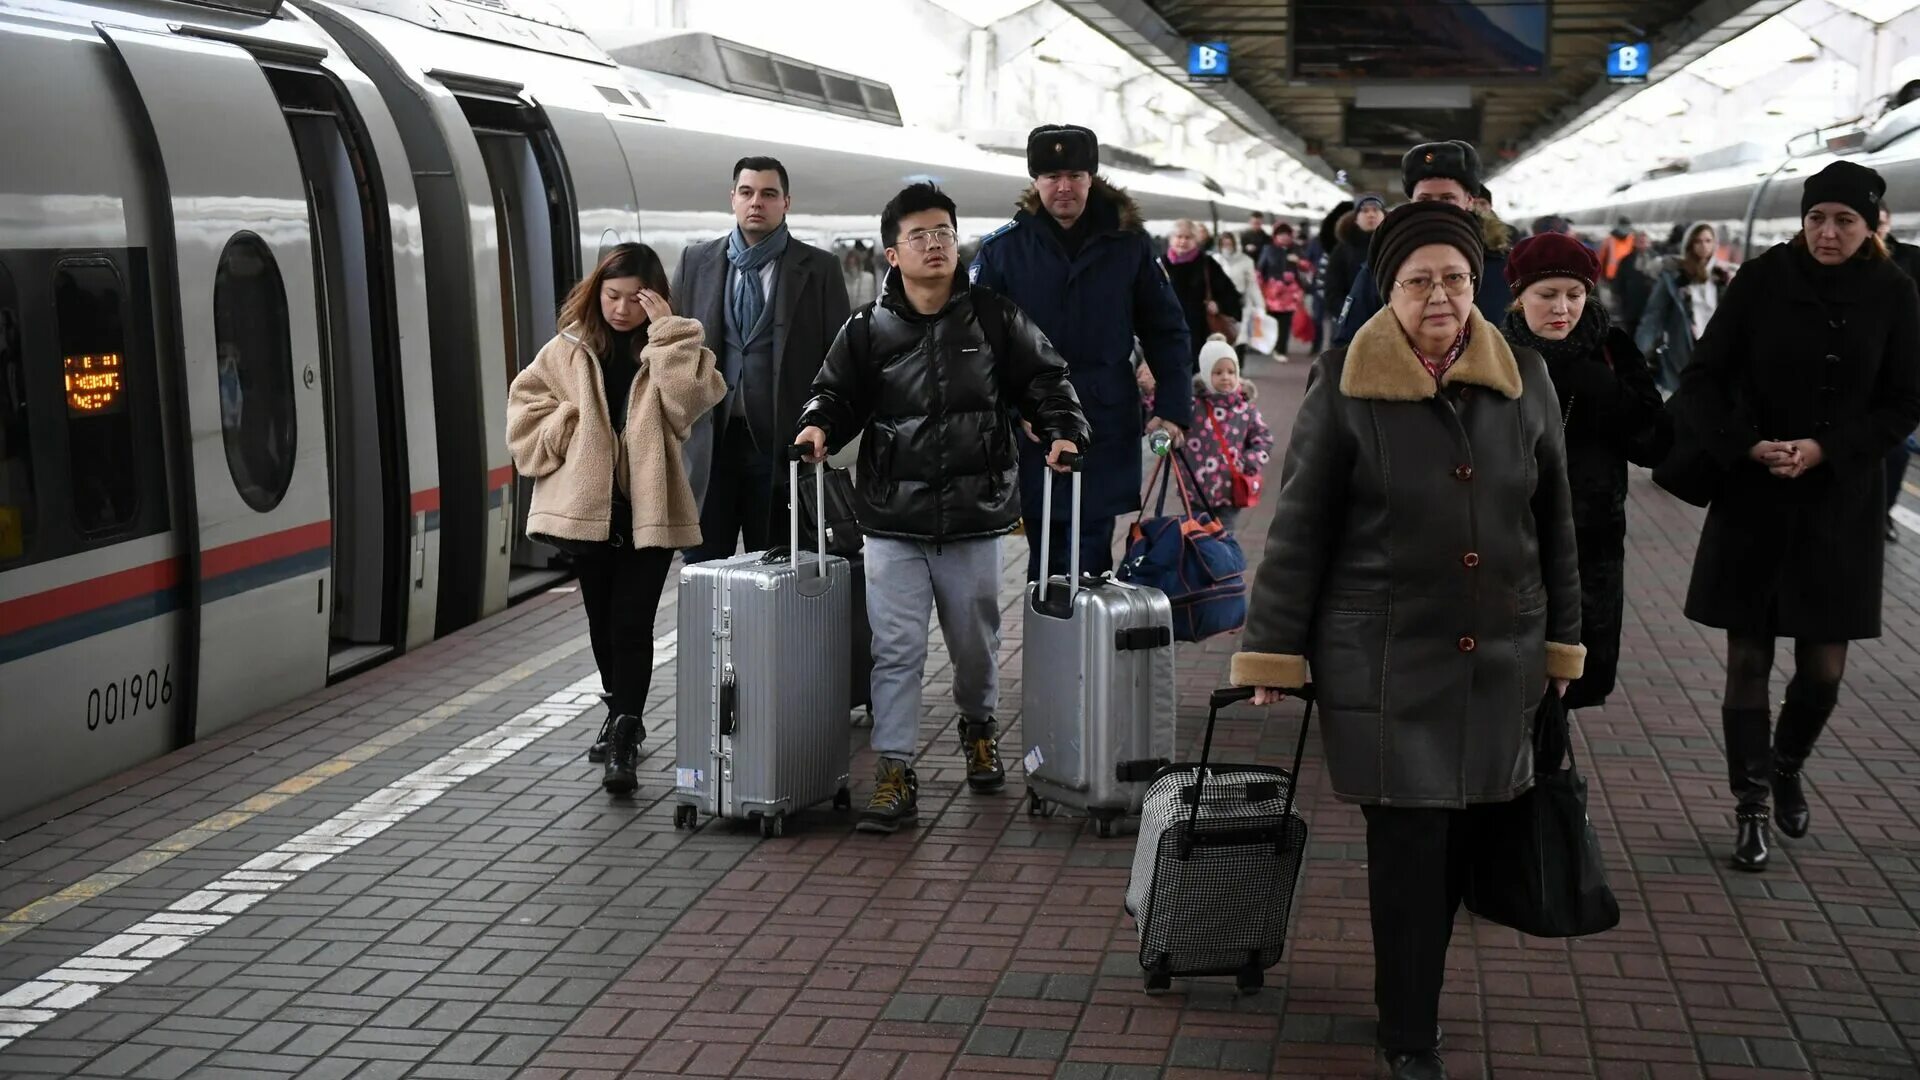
(1421, 567)
(1806, 377)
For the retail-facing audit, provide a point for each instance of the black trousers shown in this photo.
(1416, 864)
(744, 491)
(620, 587)
(1096, 546)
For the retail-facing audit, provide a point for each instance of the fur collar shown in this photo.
(1128, 211)
(1381, 366)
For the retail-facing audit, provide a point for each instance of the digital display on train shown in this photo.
(94, 384)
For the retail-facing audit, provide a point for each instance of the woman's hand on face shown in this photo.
(1267, 695)
(656, 305)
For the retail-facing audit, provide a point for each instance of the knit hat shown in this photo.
(1551, 255)
(1062, 148)
(1414, 225)
(1215, 350)
(1450, 160)
(1360, 202)
(1855, 185)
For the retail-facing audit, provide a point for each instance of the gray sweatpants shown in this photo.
(907, 581)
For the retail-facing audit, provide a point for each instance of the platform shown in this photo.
(416, 874)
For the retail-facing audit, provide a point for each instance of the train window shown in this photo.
(89, 304)
(16, 461)
(255, 354)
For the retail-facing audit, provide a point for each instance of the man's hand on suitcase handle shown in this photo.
(815, 440)
(1063, 456)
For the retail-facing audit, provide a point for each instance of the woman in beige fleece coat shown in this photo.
(597, 420)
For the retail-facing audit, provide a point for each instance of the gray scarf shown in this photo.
(748, 299)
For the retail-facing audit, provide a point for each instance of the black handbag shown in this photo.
(1535, 864)
(1689, 473)
(843, 522)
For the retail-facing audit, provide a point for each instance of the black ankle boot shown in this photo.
(1415, 1065)
(1749, 771)
(1803, 715)
(597, 753)
(623, 756)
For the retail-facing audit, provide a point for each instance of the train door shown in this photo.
(539, 255)
(247, 345)
(360, 382)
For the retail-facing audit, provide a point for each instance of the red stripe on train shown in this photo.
(500, 477)
(425, 501)
(83, 596)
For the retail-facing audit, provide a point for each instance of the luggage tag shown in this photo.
(1034, 760)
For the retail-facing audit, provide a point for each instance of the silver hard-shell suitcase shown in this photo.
(762, 675)
(1096, 684)
(1217, 864)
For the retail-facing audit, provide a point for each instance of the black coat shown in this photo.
(1613, 415)
(1801, 351)
(1421, 566)
(939, 458)
(1191, 282)
(1344, 265)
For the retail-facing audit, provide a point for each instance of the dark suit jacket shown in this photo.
(809, 306)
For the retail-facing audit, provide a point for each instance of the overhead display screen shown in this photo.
(1383, 40)
(94, 384)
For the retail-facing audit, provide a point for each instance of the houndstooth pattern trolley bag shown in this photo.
(1214, 876)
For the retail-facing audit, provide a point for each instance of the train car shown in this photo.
(266, 268)
(1757, 204)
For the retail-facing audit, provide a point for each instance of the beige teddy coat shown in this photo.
(560, 434)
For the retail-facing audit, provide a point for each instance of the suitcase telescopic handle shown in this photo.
(1073, 461)
(1224, 697)
(795, 455)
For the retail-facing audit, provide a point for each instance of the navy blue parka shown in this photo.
(1092, 305)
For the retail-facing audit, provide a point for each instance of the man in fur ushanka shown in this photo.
(1077, 259)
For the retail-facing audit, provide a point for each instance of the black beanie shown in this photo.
(1846, 182)
(1413, 226)
(1450, 160)
(1062, 148)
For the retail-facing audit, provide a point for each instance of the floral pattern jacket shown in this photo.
(1245, 434)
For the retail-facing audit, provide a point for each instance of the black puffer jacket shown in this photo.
(933, 395)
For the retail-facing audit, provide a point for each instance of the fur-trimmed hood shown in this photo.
(1381, 365)
(1125, 214)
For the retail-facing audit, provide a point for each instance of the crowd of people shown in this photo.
(1448, 544)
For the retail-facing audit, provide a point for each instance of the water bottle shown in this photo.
(1160, 441)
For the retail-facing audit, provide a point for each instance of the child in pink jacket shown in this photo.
(1228, 432)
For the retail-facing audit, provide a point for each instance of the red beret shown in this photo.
(1551, 255)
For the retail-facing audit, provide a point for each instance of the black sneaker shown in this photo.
(623, 756)
(1417, 1065)
(980, 745)
(896, 799)
(597, 753)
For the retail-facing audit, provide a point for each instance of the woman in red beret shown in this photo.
(1611, 414)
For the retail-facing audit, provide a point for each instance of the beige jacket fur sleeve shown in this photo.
(560, 435)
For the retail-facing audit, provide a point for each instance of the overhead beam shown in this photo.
(1708, 26)
(1148, 37)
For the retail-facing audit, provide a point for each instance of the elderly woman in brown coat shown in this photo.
(1421, 571)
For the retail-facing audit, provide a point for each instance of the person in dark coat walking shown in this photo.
(1611, 414)
(1200, 282)
(1078, 261)
(1906, 257)
(1685, 296)
(1431, 634)
(1349, 258)
(1447, 172)
(1807, 375)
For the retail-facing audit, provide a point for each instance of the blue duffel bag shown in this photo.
(1190, 557)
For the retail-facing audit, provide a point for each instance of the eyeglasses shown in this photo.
(941, 237)
(1422, 287)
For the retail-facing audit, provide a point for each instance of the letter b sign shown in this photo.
(1207, 59)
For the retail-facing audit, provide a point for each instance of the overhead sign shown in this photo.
(1629, 62)
(1207, 60)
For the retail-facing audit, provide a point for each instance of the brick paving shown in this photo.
(522, 924)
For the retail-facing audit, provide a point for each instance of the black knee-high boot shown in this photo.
(1803, 715)
(1749, 767)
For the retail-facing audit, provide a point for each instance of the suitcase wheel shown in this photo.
(1106, 826)
(685, 816)
(1039, 807)
(772, 825)
(1159, 977)
(843, 800)
(1251, 978)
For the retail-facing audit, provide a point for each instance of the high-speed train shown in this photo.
(266, 269)
(1756, 204)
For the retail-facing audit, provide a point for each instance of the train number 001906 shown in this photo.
(124, 699)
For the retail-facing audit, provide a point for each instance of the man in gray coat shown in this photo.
(770, 305)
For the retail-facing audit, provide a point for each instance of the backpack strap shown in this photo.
(991, 309)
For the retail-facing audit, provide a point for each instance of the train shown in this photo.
(266, 270)
(1754, 201)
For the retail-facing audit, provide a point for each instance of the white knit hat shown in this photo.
(1215, 350)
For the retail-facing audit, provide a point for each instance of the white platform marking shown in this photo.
(126, 954)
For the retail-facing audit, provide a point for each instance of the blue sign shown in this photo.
(1207, 60)
(1629, 60)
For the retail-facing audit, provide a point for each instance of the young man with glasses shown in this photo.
(1446, 172)
(929, 374)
